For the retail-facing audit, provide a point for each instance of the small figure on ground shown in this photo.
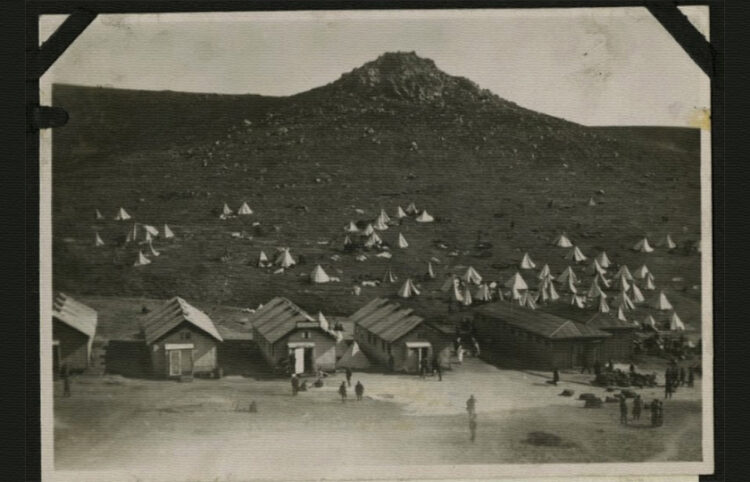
(632, 368)
(471, 405)
(691, 376)
(683, 376)
(303, 386)
(460, 354)
(623, 410)
(359, 390)
(253, 408)
(597, 367)
(348, 376)
(476, 347)
(637, 407)
(438, 370)
(295, 384)
(66, 380)
(610, 366)
(555, 376)
(660, 413)
(342, 391)
(473, 427)
(668, 389)
(654, 412)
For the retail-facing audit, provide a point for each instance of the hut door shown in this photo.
(299, 360)
(175, 363)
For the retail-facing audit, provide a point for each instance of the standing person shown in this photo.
(471, 405)
(637, 407)
(668, 387)
(295, 384)
(623, 410)
(476, 347)
(597, 367)
(348, 376)
(632, 368)
(691, 376)
(460, 354)
(659, 413)
(438, 370)
(654, 412)
(555, 376)
(585, 368)
(611, 366)
(359, 390)
(473, 427)
(683, 376)
(66, 380)
(342, 391)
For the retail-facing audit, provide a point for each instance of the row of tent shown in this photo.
(244, 210)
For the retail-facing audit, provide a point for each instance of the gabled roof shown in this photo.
(171, 314)
(540, 323)
(279, 317)
(608, 321)
(74, 314)
(387, 320)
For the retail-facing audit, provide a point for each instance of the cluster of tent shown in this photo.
(282, 261)
(643, 246)
(226, 211)
(139, 233)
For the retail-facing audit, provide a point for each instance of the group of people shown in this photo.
(301, 386)
(675, 376)
(427, 368)
(656, 407)
(458, 347)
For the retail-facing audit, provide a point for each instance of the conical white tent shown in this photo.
(152, 250)
(575, 254)
(347, 241)
(500, 295)
(373, 240)
(623, 301)
(649, 285)
(141, 260)
(384, 216)
(516, 283)
(351, 227)
(263, 260)
(147, 238)
(132, 235)
(551, 291)
(122, 215)
(642, 246)
(660, 302)
(408, 289)
(624, 271)
(425, 217)
(595, 268)
(667, 242)
(578, 301)
(98, 240)
(400, 214)
(483, 293)
(601, 281)
(455, 294)
(353, 358)
(319, 275)
(621, 314)
(151, 230)
(526, 262)
(467, 300)
(430, 272)
(567, 274)
(369, 229)
(636, 295)
(641, 272)
(379, 224)
(389, 277)
(621, 283)
(412, 209)
(562, 241)
(603, 306)
(570, 285)
(99, 215)
(244, 210)
(401, 243)
(527, 300)
(649, 321)
(592, 202)
(226, 210)
(603, 260)
(545, 273)
(471, 276)
(167, 233)
(595, 292)
(449, 283)
(284, 259)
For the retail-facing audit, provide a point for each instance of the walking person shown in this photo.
(473, 428)
(623, 410)
(342, 391)
(359, 390)
(555, 376)
(471, 406)
(348, 376)
(637, 407)
(659, 413)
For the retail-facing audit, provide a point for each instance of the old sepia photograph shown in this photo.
(447, 244)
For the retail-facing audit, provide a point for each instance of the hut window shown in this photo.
(305, 335)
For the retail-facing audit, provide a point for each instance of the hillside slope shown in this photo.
(394, 131)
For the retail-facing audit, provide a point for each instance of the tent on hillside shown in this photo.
(595, 291)
(389, 277)
(641, 272)
(591, 202)
(595, 268)
(636, 295)
(603, 260)
(675, 323)
(167, 233)
(449, 283)
(621, 283)
(516, 283)
(562, 241)
(548, 291)
(141, 260)
(621, 314)
(430, 272)
(624, 271)
(412, 209)
(568, 273)
(98, 240)
(575, 255)
(379, 224)
(649, 285)
(151, 249)
(99, 215)
(353, 358)
(603, 306)
(623, 301)
(244, 210)
(400, 214)
(122, 215)
(425, 217)
(545, 273)
(649, 321)
(483, 293)
(660, 302)
(151, 230)
(284, 259)
(642, 246)
(667, 242)
(347, 241)
(467, 300)
(369, 229)
(455, 292)
(226, 210)
(577, 301)
(263, 261)
(319, 275)
(601, 280)
(408, 289)
(351, 227)
(401, 242)
(526, 262)
(147, 238)
(383, 216)
(132, 235)
(323, 321)
(373, 240)
(471, 276)
(570, 285)
(527, 300)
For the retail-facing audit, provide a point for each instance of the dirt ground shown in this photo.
(116, 423)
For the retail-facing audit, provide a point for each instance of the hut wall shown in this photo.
(204, 349)
(74, 346)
